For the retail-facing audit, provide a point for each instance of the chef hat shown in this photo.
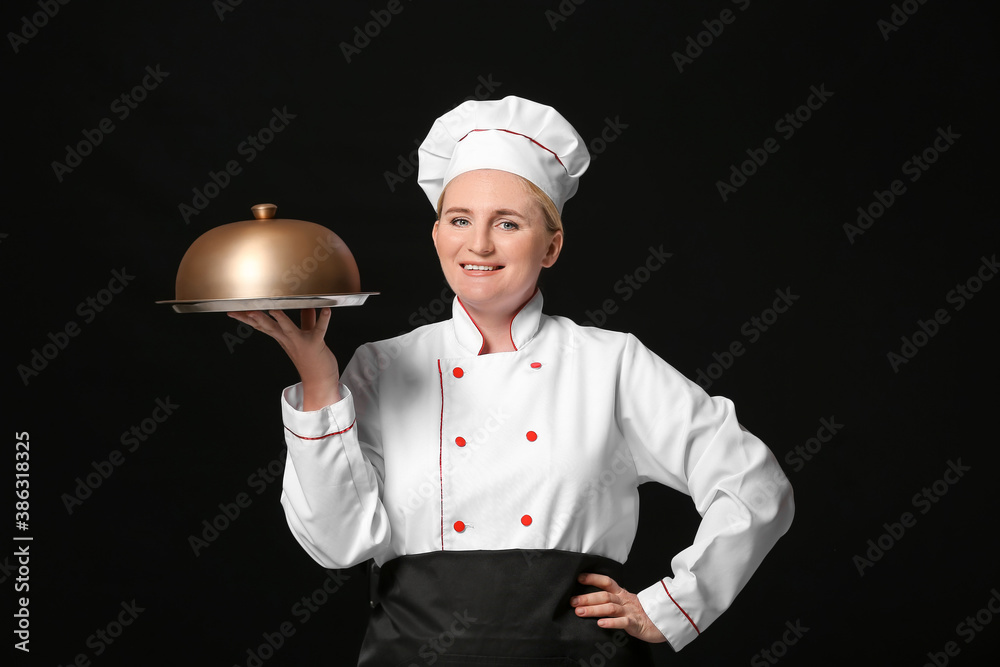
(513, 134)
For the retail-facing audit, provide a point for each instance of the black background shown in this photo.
(653, 185)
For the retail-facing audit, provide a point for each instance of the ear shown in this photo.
(434, 233)
(552, 252)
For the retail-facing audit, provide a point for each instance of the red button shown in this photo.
(526, 520)
(459, 526)
(460, 441)
(458, 372)
(535, 364)
(532, 436)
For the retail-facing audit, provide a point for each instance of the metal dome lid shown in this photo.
(267, 263)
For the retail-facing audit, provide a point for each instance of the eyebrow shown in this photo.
(500, 211)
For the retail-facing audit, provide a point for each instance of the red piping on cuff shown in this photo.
(303, 437)
(679, 607)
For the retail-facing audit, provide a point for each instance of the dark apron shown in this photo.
(488, 608)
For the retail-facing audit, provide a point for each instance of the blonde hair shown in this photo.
(553, 221)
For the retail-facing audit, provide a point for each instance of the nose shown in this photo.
(481, 240)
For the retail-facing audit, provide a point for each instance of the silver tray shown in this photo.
(270, 303)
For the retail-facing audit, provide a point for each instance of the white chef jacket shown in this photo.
(436, 447)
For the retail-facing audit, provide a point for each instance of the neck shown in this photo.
(495, 326)
(495, 329)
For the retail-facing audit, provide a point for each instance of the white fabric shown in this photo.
(513, 134)
(608, 415)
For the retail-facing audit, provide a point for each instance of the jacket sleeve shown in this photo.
(690, 441)
(332, 484)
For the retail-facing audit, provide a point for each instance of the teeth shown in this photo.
(478, 267)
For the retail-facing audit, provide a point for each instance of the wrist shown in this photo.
(317, 393)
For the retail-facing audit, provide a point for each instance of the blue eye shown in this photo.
(508, 225)
(460, 222)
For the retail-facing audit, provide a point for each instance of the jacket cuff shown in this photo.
(676, 623)
(315, 425)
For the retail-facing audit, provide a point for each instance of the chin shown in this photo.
(478, 298)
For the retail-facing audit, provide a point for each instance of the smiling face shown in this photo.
(492, 241)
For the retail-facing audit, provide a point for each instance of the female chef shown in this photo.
(489, 464)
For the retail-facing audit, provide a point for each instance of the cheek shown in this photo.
(445, 244)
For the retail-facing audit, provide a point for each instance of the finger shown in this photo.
(594, 598)
(601, 610)
(261, 322)
(324, 318)
(283, 322)
(615, 623)
(307, 319)
(245, 316)
(600, 581)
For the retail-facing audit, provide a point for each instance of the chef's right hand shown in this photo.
(306, 348)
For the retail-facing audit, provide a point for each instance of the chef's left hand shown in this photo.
(615, 608)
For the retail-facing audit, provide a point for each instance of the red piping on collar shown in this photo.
(481, 334)
(510, 330)
(516, 313)
(498, 129)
